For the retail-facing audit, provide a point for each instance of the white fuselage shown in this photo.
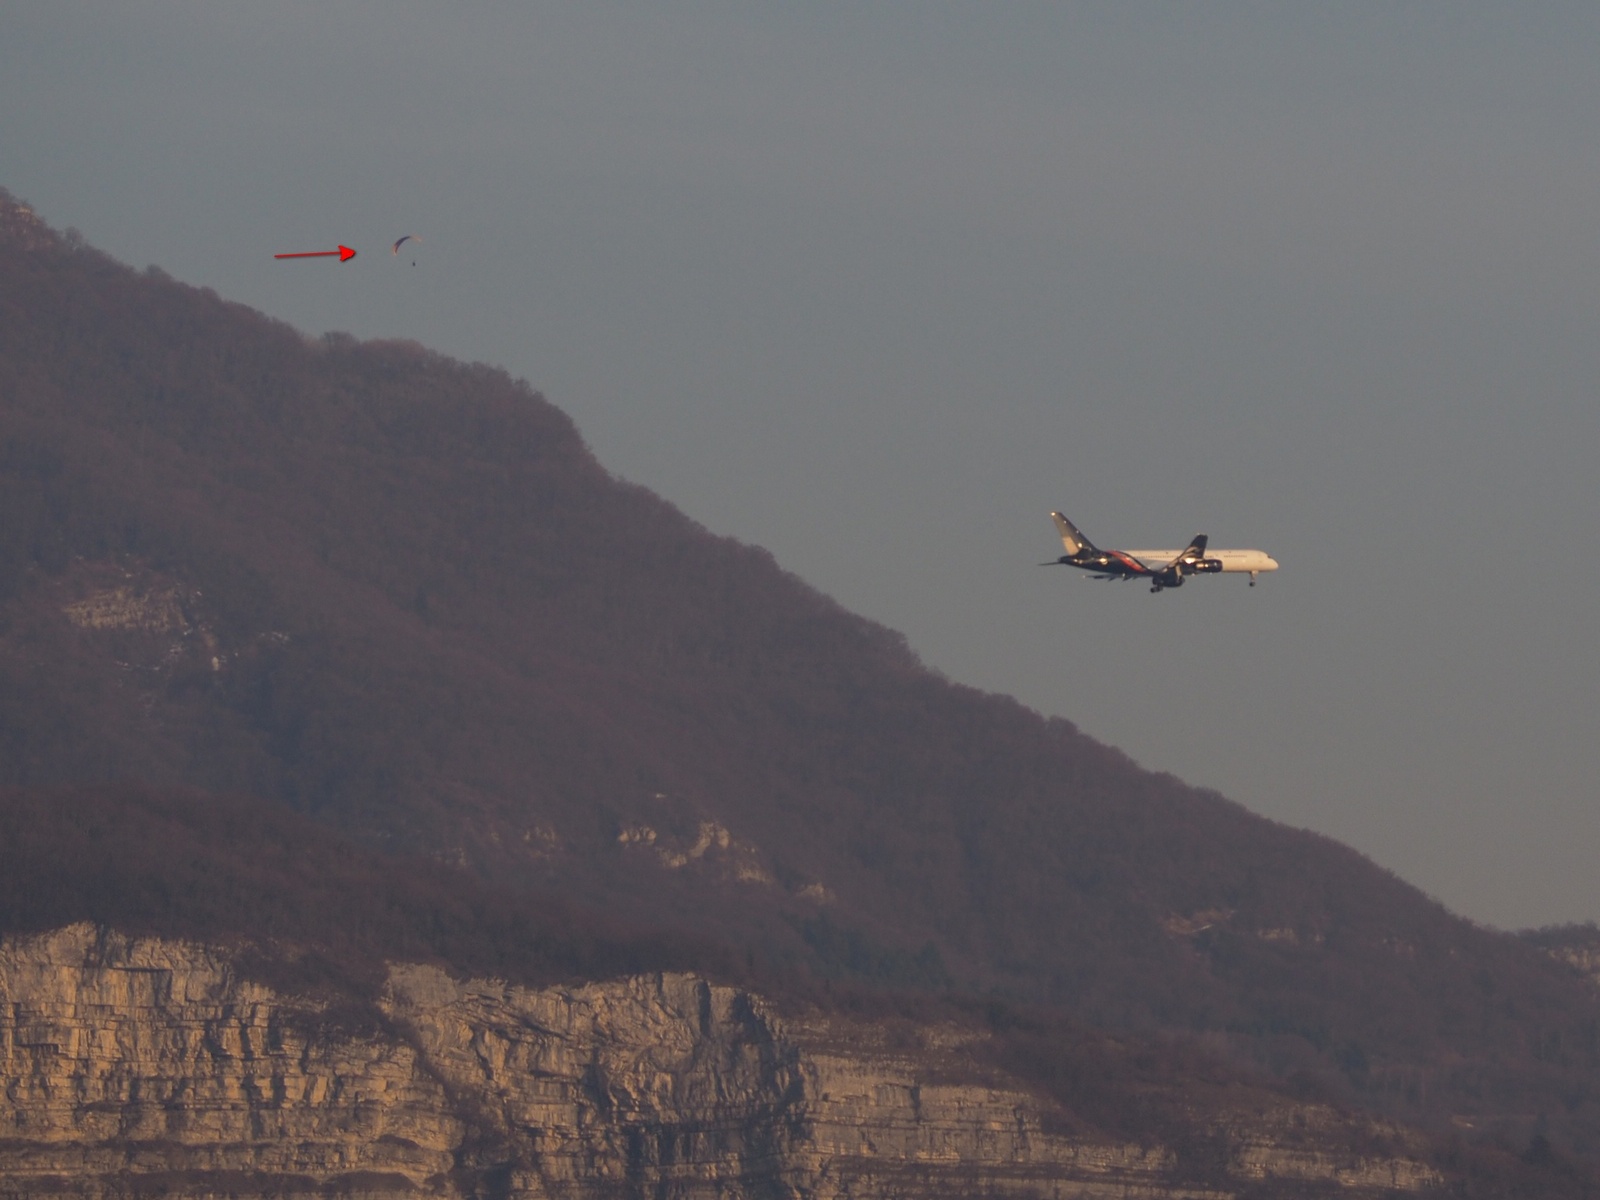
(1232, 560)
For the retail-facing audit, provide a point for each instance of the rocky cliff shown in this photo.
(131, 1065)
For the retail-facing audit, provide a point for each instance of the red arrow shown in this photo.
(344, 252)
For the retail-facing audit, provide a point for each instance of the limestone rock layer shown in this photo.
(142, 1066)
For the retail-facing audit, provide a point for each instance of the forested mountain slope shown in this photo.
(398, 594)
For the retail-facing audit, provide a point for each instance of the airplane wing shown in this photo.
(1192, 553)
(1191, 560)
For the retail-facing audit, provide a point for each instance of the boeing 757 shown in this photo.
(1163, 568)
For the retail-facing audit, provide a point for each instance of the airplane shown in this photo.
(1163, 568)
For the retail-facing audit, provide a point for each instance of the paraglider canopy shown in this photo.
(410, 237)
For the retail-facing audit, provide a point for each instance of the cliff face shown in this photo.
(129, 1058)
(130, 1065)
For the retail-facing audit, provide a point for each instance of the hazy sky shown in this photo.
(877, 286)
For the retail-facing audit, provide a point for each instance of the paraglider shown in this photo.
(410, 237)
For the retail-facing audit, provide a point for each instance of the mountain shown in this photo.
(395, 597)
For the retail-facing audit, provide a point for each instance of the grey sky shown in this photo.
(879, 285)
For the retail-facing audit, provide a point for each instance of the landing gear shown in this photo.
(1253, 575)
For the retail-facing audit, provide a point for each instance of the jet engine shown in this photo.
(1170, 578)
(1205, 566)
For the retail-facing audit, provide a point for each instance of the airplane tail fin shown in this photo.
(1074, 541)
